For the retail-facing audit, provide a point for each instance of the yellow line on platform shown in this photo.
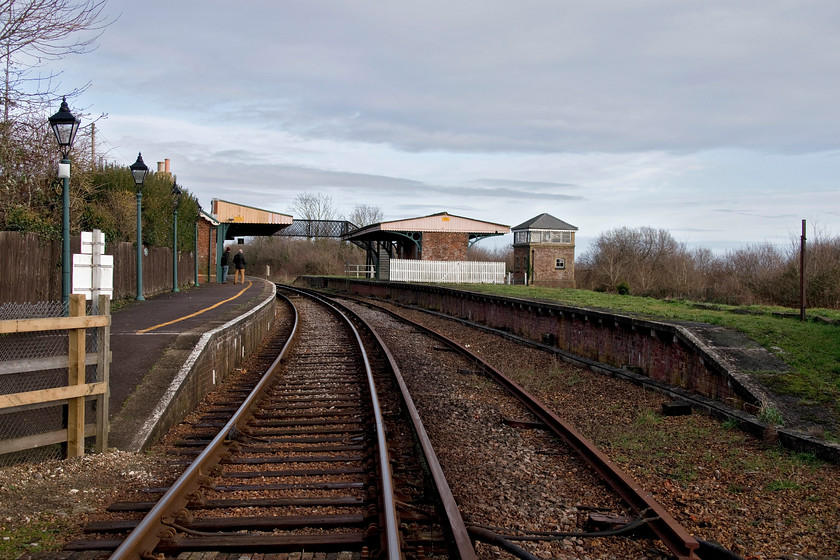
(196, 313)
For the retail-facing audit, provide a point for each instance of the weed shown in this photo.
(771, 415)
(783, 484)
(35, 536)
(730, 424)
(646, 418)
(808, 459)
(573, 379)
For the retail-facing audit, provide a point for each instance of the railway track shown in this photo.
(321, 450)
(303, 456)
(646, 512)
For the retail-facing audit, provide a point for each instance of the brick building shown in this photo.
(227, 221)
(544, 252)
(437, 237)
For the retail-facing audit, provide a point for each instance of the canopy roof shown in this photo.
(440, 222)
(248, 221)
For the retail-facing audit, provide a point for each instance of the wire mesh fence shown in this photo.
(34, 361)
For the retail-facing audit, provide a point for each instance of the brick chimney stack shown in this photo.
(163, 167)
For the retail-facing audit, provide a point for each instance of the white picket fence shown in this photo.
(456, 272)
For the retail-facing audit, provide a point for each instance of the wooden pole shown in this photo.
(802, 274)
(76, 376)
(103, 364)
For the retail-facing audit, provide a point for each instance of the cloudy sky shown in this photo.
(718, 121)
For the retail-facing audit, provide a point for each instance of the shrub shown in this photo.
(623, 289)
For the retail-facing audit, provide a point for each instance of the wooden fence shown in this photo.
(75, 392)
(462, 272)
(30, 268)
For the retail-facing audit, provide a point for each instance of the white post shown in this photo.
(98, 247)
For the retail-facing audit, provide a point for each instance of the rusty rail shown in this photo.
(672, 534)
(456, 526)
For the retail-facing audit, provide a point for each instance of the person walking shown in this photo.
(225, 266)
(239, 266)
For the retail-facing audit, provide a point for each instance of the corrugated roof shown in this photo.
(545, 221)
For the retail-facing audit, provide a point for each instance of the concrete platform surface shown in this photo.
(144, 332)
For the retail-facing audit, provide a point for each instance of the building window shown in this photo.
(560, 264)
(561, 236)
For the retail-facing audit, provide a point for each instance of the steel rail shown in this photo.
(463, 543)
(392, 536)
(672, 534)
(141, 542)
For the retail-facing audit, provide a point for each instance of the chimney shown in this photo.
(167, 166)
(160, 167)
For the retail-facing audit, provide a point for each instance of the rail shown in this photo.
(389, 501)
(142, 540)
(459, 533)
(672, 534)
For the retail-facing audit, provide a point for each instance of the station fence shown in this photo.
(30, 268)
(54, 373)
(360, 270)
(457, 272)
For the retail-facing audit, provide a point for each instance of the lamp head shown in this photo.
(139, 170)
(64, 125)
(176, 195)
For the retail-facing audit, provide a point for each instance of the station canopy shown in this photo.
(398, 230)
(246, 221)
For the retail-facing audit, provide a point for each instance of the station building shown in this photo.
(228, 221)
(544, 252)
(437, 237)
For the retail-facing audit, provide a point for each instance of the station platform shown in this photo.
(152, 339)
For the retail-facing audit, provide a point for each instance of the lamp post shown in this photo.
(195, 268)
(176, 199)
(139, 172)
(64, 125)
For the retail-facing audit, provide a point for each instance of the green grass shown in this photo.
(783, 484)
(810, 348)
(41, 535)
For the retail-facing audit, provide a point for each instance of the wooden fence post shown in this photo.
(103, 361)
(76, 376)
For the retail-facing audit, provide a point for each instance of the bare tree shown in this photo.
(35, 32)
(316, 208)
(365, 215)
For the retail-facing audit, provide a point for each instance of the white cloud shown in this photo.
(710, 119)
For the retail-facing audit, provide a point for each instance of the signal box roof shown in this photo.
(545, 221)
(440, 222)
(248, 221)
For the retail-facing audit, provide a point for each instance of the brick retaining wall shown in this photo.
(661, 351)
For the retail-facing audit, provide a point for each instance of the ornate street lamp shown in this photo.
(64, 125)
(195, 268)
(139, 172)
(176, 201)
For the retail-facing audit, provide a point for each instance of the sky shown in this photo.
(716, 121)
